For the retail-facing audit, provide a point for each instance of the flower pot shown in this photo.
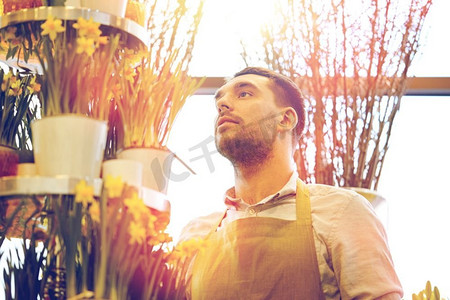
(157, 164)
(71, 145)
(372, 196)
(8, 161)
(131, 171)
(116, 7)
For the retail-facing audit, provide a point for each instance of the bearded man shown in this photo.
(279, 237)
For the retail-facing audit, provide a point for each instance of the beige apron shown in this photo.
(260, 258)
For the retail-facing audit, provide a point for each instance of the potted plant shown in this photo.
(153, 86)
(71, 136)
(148, 103)
(352, 62)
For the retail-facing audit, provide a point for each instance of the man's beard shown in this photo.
(249, 147)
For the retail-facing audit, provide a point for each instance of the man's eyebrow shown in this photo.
(244, 84)
(237, 86)
(218, 95)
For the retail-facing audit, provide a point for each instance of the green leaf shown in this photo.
(14, 52)
(26, 55)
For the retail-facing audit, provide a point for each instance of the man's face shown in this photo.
(246, 122)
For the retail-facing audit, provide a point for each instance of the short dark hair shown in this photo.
(286, 90)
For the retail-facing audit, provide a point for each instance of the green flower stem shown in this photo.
(102, 248)
(153, 271)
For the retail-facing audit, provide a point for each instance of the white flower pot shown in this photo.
(115, 7)
(69, 145)
(157, 164)
(131, 171)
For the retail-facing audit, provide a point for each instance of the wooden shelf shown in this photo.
(16, 186)
(37, 185)
(137, 33)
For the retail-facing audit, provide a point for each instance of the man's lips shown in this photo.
(226, 119)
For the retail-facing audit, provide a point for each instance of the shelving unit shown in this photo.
(133, 35)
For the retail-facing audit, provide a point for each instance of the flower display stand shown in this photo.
(15, 188)
(24, 199)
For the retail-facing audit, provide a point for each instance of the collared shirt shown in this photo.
(351, 244)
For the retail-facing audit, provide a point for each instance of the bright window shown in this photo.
(415, 173)
(414, 182)
(217, 50)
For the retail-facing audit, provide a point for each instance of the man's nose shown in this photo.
(223, 104)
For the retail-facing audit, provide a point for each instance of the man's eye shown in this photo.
(244, 94)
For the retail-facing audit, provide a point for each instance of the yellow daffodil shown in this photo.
(159, 238)
(130, 73)
(136, 206)
(114, 186)
(94, 211)
(33, 86)
(84, 193)
(88, 28)
(102, 40)
(189, 247)
(86, 45)
(128, 53)
(15, 88)
(137, 233)
(132, 57)
(52, 27)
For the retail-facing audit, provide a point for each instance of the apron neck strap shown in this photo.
(303, 205)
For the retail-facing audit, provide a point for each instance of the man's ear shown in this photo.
(288, 119)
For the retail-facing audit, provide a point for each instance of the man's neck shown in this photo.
(252, 184)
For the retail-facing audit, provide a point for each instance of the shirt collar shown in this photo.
(238, 204)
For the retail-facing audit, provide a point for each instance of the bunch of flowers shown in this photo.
(149, 99)
(67, 53)
(74, 81)
(130, 245)
(112, 247)
(16, 108)
(152, 84)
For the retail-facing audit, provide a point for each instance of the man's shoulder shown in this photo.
(323, 190)
(328, 196)
(201, 226)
